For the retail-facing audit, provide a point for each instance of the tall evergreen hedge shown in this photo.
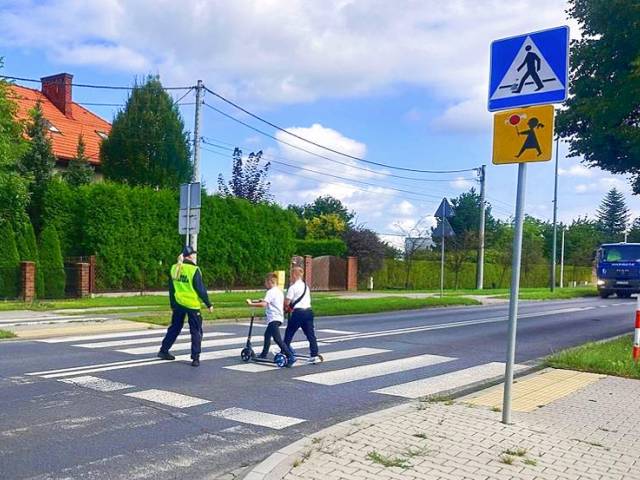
(133, 231)
(52, 263)
(9, 263)
(28, 251)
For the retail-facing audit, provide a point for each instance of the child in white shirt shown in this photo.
(273, 304)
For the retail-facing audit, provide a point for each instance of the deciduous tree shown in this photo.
(248, 178)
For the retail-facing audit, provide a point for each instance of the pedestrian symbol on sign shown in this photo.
(529, 72)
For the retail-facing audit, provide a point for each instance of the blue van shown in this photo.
(618, 269)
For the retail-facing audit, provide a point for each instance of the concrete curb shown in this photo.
(279, 463)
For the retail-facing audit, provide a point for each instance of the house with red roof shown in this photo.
(67, 119)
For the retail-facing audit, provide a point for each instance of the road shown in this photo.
(105, 408)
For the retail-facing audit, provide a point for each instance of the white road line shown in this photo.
(171, 399)
(251, 417)
(345, 375)
(134, 341)
(106, 367)
(185, 346)
(102, 336)
(447, 381)
(95, 383)
(328, 357)
(335, 332)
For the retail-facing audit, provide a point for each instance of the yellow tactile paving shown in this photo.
(61, 330)
(540, 389)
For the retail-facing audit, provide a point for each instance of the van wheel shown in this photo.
(624, 295)
(604, 294)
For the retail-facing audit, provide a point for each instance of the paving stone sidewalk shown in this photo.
(593, 433)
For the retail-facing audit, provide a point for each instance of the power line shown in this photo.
(87, 85)
(353, 157)
(232, 147)
(270, 159)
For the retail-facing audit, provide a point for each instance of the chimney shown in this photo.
(57, 88)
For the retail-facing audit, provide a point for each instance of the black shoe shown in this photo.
(263, 356)
(165, 356)
(195, 362)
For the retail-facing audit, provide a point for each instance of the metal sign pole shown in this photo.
(442, 259)
(188, 237)
(515, 288)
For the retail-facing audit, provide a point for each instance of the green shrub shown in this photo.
(9, 263)
(28, 251)
(52, 263)
(317, 248)
(425, 274)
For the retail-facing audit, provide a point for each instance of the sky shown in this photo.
(400, 82)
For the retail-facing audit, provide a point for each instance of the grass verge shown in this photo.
(557, 294)
(612, 357)
(4, 335)
(323, 305)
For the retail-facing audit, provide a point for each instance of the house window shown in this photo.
(52, 128)
(102, 135)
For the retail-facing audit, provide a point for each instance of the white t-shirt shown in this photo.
(294, 292)
(275, 305)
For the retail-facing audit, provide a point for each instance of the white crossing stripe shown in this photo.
(134, 341)
(46, 322)
(170, 399)
(335, 332)
(185, 346)
(106, 367)
(95, 383)
(447, 381)
(345, 375)
(102, 336)
(251, 417)
(328, 357)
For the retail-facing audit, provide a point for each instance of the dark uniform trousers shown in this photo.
(177, 322)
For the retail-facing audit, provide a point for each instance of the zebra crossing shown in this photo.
(220, 347)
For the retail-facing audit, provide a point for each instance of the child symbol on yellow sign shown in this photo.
(523, 135)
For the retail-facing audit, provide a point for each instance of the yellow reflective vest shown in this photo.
(184, 292)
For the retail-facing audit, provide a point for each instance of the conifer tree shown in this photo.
(79, 172)
(52, 263)
(9, 263)
(613, 216)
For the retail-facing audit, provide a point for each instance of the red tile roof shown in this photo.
(82, 121)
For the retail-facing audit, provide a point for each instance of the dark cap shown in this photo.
(187, 251)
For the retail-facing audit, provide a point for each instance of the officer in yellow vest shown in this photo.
(186, 290)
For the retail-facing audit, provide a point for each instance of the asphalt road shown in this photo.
(105, 408)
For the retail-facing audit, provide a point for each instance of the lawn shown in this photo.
(4, 335)
(557, 294)
(323, 305)
(612, 357)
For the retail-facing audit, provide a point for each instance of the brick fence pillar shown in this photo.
(308, 270)
(28, 281)
(83, 280)
(352, 274)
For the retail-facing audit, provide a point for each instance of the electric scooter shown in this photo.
(248, 355)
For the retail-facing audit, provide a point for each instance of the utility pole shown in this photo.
(480, 263)
(196, 149)
(562, 259)
(555, 223)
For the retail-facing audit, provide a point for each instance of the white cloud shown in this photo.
(405, 208)
(462, 183)
(602, 185)
(576, 170)
(292, 51)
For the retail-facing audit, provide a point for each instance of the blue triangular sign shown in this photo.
(443, 224)
(445, 210)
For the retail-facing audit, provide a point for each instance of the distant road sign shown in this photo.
(189, 221)
(530, 69)
(523, 135)
(443, 228)
(444, 210)
(190, 195)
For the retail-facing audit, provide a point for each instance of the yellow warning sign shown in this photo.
(523, 135)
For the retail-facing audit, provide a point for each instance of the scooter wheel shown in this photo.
(280, 360)
(246, 354)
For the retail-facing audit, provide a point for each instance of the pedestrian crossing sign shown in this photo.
(523, 135)
(530, 69)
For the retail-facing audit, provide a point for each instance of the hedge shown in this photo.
(133, 231)
(318, 248)
(28, 251)
(9, 263)
(52, 263)
(425, 274)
